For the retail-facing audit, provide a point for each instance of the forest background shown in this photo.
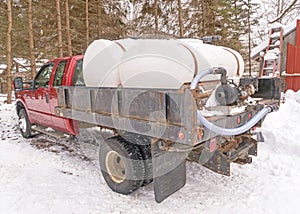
(34, 30)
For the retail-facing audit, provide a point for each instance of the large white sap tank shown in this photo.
(155, 63)
(219, 56)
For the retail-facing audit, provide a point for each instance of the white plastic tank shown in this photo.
(154, 63)
(218, 56)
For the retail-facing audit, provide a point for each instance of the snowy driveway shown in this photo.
(62, 181)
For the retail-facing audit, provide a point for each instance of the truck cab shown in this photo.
(40, 99)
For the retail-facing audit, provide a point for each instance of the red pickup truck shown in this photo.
(36, 104)
(156, 129)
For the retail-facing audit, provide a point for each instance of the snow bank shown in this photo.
(290, 94)
(281, 128)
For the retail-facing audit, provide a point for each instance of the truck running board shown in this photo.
(51, 132)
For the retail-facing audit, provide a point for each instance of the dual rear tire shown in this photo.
(123, 165)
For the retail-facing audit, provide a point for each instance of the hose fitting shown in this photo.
(223, 72)
(273, 107)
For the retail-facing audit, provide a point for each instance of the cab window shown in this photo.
(43, 77)
(78, 74)
(59, 73)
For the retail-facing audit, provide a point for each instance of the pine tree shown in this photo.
(31, 40)
(68, 29)
(87, 29)
(3, 30)
(9, 54)
(180, 21)
(45, 29)
(158, 17)
(59, 29)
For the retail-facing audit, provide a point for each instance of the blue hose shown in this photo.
(199, 76)
(234, 131)
(224, 131)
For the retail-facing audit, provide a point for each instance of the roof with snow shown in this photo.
(262, 46)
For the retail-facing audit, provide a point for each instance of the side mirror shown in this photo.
(18, 83)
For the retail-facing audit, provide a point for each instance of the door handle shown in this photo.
(47, 98)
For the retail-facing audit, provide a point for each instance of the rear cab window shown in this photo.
(59, 73)
(78, 74)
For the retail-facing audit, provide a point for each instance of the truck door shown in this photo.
(38, 98)
(74, 78)
(59, 79)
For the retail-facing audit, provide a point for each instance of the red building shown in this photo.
(293, 62)
(290, 55)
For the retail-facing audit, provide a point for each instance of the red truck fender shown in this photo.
(20, 103)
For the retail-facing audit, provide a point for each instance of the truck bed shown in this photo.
(164, 114)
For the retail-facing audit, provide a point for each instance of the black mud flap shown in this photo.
(169, 172)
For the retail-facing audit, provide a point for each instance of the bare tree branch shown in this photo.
(284, 12)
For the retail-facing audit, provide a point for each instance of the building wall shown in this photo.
(291, 38)
(293, 63)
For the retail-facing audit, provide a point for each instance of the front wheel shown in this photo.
(24, 124)
(122, 165)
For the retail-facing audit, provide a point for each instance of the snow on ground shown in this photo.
(59, 179)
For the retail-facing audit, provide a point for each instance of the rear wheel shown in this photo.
(121, 165)
(24, 124)
(144, 145)
(147, 157)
